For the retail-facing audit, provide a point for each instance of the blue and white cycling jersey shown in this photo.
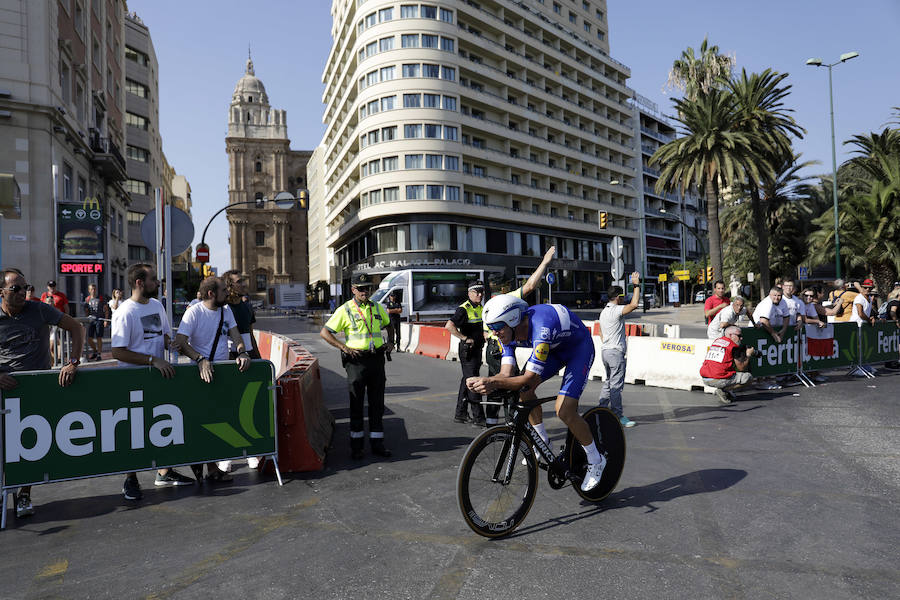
(557, 338)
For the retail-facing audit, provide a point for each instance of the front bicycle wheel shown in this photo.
(491, 507)
(610, 440)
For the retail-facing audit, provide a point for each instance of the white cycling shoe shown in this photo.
(593, 474)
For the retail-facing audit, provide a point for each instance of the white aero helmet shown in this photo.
(504, 308)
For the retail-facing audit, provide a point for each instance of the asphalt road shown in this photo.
(791, 494)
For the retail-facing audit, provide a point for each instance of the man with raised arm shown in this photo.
(557, 338)
(612, 332)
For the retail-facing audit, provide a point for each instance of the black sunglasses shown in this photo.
(15, 289)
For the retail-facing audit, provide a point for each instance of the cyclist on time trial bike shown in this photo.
(557, 338)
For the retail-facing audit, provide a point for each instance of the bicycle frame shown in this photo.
(519, 424)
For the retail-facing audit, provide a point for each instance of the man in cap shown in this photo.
(466, 325)
(361, 322)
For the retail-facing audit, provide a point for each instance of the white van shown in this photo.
(428, 295)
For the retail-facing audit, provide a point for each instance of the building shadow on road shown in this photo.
(646, 496)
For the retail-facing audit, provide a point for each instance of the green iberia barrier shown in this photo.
(117, 420)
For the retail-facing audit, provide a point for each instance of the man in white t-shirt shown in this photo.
(203, 337)
(612, 352)
(795, 307)
(140, 335)
(725, 317)
(770, 313)
(862, 305)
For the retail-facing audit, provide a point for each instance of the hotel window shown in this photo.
(557, 8)
(451, 163)
(138, 154)
(387, 103)
(137, 121)
(413, 161)
(448, 44)
(138, 89)
(391, 194)
(429, 70)
(449, 103)
(478, 171)
(412, 100)
(371, 49)
(572, 17)
(373, 137)
(446, 15)
(452, 193)
(429, 41)
(409, 40)
(409, 11)
(411, 70)
(374, 167)
(375, 197)
(387, 73)
(385, 14)
(371, 19)
(435, 192)
(434, 161)
(390, 163)
(432, 101)
(429, 12)
(372, 107)
(388, 133)
(448, 73)
(371, 78)
(412, 131)
(415, 192)
(433, 131)
(450, 133)
(385, 44)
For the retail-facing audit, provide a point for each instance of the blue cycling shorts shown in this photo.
(577, 358)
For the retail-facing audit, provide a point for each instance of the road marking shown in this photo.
(54, 569)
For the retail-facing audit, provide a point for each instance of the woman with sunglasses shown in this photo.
(819, 333)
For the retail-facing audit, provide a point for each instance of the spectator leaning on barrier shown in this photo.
(361, 321)
(466, 325)
(842, 297)
(97, 311)
(862, 313)
(612, 353)
(725, 317)
(772, 312)
(819, 333)
(793, 304)
(25, 346)
(394, 310)
(494, 349)
(140, 335)
(727, 363)
(203, 337)
(716, 302)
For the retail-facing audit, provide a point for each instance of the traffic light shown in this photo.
(303, 200)
(207, 270)
(709, 273)
(603, 220)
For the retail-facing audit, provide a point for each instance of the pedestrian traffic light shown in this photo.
(709, 273)
(603, 218)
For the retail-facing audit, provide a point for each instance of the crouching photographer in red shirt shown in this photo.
(727, 364)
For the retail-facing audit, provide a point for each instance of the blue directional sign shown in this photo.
(803, 273)
(551, 278)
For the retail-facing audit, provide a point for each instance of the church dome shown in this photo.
(249, 88)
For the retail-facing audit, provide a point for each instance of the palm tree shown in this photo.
(869, 228)
(710, 152)
(696, 75)
(759, 98)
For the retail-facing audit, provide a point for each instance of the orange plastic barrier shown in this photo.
(264, 342)
(595, 328)
(305, 426)
(633, 329)
(433, 342)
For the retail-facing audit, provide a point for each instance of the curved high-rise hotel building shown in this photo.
(473, 135)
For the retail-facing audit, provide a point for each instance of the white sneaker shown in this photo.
(253, 462)
(224, 465)
(593, 474)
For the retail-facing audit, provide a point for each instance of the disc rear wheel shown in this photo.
(610, 440)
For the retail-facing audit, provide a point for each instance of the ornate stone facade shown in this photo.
(268, 244)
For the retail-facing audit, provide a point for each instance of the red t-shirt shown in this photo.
(712, 302)
(719, 363)
(59, 300)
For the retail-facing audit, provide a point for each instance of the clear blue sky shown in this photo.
(202, 47)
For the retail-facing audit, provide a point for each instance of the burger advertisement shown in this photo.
(80, 230)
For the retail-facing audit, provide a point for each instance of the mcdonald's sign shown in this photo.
(80, 230)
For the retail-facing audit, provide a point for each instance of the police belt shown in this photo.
(363, 354)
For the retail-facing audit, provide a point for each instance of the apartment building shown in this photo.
(62, 112)
(475, 135)
(674, 222)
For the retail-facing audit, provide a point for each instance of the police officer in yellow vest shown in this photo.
(361, 321)
(466, 325)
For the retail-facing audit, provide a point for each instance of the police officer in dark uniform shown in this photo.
(394, 310)
(363, 356)
(466, 325)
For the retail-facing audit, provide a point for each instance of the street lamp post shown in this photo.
(817, 62)
(282, 200)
